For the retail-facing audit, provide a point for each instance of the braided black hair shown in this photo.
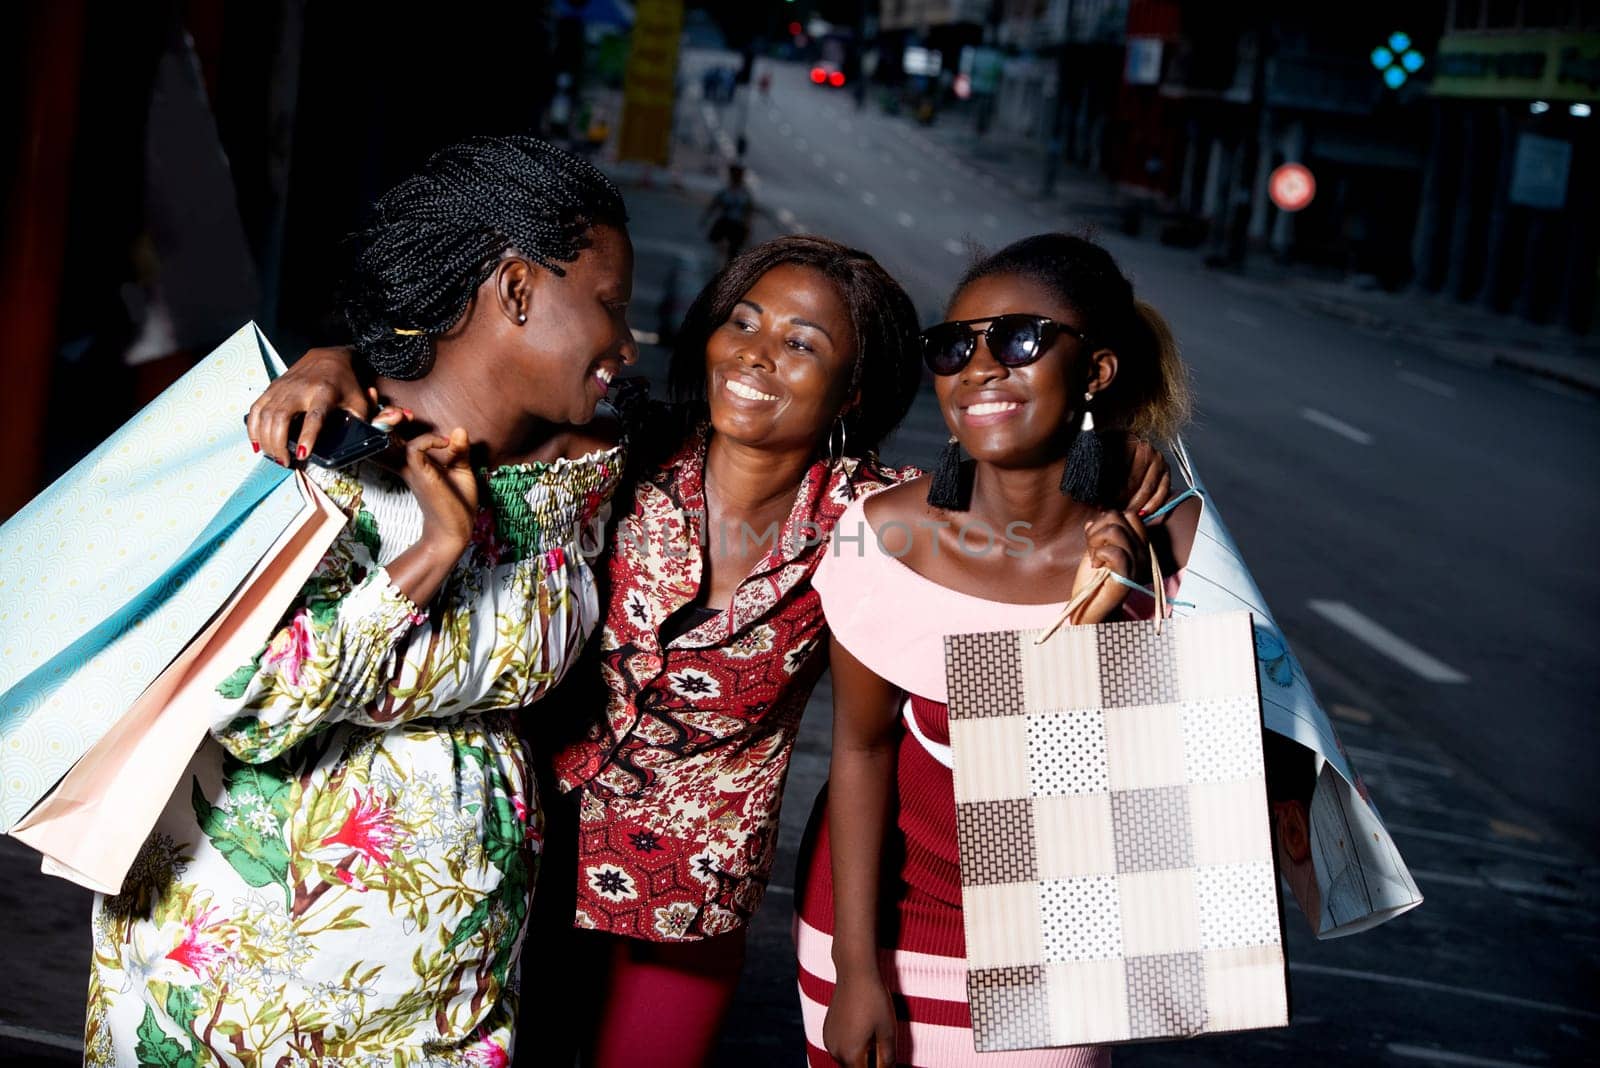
(1150, 395)
(436, 237)
(888, 366)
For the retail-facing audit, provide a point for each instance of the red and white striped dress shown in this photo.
(894, 621)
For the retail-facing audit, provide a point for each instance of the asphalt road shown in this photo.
(1437, 512)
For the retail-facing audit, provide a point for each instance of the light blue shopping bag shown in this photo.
(1350, 877)
(108, 574)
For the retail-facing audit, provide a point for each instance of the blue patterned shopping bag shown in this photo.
(108, 574)
(1339, 860)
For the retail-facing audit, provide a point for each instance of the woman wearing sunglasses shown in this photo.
(1044, 340)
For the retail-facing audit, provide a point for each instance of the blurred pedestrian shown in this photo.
(345, 877)
(729, 215)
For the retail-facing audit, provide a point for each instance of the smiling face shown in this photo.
(1020, 417)
(778, 370)
(577, 338)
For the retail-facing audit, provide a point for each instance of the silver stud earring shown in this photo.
(522, 317)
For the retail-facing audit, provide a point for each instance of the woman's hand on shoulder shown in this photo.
(1115, 541)
(1149, 478)
(319, 382)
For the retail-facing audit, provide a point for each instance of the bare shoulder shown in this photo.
(602, 432)
(904, 502)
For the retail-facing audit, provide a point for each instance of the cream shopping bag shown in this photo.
(1116, 855)
(91, 826)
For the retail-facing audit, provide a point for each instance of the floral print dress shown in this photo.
(343, 876)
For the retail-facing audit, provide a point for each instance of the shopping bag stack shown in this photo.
(131, 587)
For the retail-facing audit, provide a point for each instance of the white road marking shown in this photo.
(1424, 878)
(955, 248)
(841, 178)
(1243, 319)
(1350, 713)
(709, 114)
(1338, 426)
(42, 1038)
(905, 219)
(1375, 756)
(646, 337)
(1408, 831)
(1444, 1056)
(990, 220)
(1386, 642)
(1560, 389)
(797, 227)
(1444, 988)
(1427, 385)
(785, 216)
(869, 198)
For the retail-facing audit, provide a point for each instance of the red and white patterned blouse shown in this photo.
(679, 786)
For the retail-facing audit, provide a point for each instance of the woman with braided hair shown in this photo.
(344, 876)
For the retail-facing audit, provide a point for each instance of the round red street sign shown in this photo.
(1291, 187)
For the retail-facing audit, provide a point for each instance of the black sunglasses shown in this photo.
(1013, 340)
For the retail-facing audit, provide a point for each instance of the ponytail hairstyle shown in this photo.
(888, 367)
(1149, 397)
(438, 235)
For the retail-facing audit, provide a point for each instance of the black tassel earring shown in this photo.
(947, 491)
(1081, 478)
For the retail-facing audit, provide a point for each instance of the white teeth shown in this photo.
(993, 407)
(739, 389)
(605, 375)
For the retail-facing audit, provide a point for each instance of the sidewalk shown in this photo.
(1452, 329)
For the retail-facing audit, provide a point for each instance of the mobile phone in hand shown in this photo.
(342, 441)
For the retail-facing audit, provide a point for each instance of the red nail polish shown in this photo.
(255, 447)
(301, 451)
(1144, 511)
(408, 413)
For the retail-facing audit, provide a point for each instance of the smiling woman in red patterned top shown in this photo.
(794, 364)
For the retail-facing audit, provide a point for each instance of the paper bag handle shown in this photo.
(1101, 575)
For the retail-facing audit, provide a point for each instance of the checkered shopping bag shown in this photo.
(1116, 853)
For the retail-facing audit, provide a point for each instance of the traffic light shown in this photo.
(1396, 60)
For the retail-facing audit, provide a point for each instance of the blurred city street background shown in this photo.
(1398, 390)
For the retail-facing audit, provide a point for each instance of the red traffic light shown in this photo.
(836, 79)
(819, 75)
(794, 29)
